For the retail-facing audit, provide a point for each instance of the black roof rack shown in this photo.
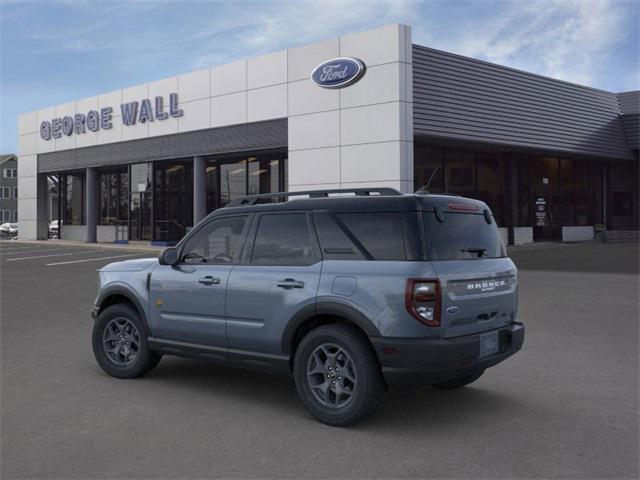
(283, 196)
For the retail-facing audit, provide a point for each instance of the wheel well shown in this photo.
(315, 322)
(114, 299)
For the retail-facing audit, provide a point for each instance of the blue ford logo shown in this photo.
(452, 309)
(338, 73)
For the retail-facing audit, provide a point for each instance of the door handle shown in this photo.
(290, 283)
(209, 280)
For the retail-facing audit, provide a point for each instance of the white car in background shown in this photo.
(9, 228)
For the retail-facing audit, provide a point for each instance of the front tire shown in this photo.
(120, 343)
(337, 375)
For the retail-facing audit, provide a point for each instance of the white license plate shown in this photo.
(489, 344)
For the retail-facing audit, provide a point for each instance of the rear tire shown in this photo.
(460, 381)
(337, 375)
(120, 344)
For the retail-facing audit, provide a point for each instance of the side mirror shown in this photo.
(169, 257)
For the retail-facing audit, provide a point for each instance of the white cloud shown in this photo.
(569, 40)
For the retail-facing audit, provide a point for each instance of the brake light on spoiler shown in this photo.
(461, 207)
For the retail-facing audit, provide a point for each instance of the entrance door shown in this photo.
(546, 199)
(140, 220)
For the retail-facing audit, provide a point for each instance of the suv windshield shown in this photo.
(462, 236)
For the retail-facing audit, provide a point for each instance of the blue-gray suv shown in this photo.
(349, 291)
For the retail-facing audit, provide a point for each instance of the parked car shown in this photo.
(54, 229)
(9, 228)
(350, 295)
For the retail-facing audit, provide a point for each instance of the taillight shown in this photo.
(422, 299)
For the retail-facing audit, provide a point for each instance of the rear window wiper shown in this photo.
(478, 250)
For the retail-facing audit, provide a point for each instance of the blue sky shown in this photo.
(57, 51)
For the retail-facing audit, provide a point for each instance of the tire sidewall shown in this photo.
(145, 355)
(336, 416)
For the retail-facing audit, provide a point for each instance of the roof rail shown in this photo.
(283, 196)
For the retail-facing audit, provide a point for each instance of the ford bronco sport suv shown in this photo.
(349, 294)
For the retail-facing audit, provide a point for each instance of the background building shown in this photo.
(554, 160)
(9, 188)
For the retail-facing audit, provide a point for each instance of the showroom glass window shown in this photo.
(462, 172)
(172, 200)
(113, 197)
(229, 178)
(73, 191)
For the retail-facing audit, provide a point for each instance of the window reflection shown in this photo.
(230, 178)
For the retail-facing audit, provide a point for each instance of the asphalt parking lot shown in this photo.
(564, 407)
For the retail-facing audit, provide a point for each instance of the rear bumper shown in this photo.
(413, 363)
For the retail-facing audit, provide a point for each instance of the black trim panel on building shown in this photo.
(236, 138)
(464, 99)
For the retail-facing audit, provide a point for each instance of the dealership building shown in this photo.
(553, 160)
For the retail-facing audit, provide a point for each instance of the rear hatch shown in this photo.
(478, 281)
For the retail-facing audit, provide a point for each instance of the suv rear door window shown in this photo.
(462, 236)
(283, 239)
(335, 243)
(380, 233)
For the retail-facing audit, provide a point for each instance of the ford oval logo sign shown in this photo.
(338, 73)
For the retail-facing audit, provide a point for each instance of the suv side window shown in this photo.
(216, 243)
(335, 243)
(380, 233)
(283, 239)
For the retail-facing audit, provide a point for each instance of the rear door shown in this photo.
(278, 276)
(478, 281)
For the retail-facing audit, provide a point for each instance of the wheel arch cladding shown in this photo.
(323, 314)
(117, 294)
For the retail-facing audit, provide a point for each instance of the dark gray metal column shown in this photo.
(91, 210)
(199, 189)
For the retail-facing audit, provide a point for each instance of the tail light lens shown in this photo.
(422, 299)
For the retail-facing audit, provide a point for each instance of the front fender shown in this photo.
(130, 293)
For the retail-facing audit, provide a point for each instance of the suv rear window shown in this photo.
(462, 236)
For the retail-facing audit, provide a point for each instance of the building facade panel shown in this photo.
(461, 98)
(553, 160)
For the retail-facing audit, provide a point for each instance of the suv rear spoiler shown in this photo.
(284, 196)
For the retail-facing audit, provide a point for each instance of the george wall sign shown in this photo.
(338, 72)
(94, 120)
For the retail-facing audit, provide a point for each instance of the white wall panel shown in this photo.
(374, 47)
(162, 88)
(28, 144)
(229, 78)
(229, 109)
(306, 97)
(266, 103)
(197, 115)
(315, 130)
(372, 123)
(194, 85)
(28, 123)
(371, 162)
(320, 165)
(303, 59)
(380, 84)
(267, 70)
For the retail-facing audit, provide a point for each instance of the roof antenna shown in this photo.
(424, 190)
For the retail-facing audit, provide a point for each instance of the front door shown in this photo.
(278, 277)
(546, 200)
(187, 301)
